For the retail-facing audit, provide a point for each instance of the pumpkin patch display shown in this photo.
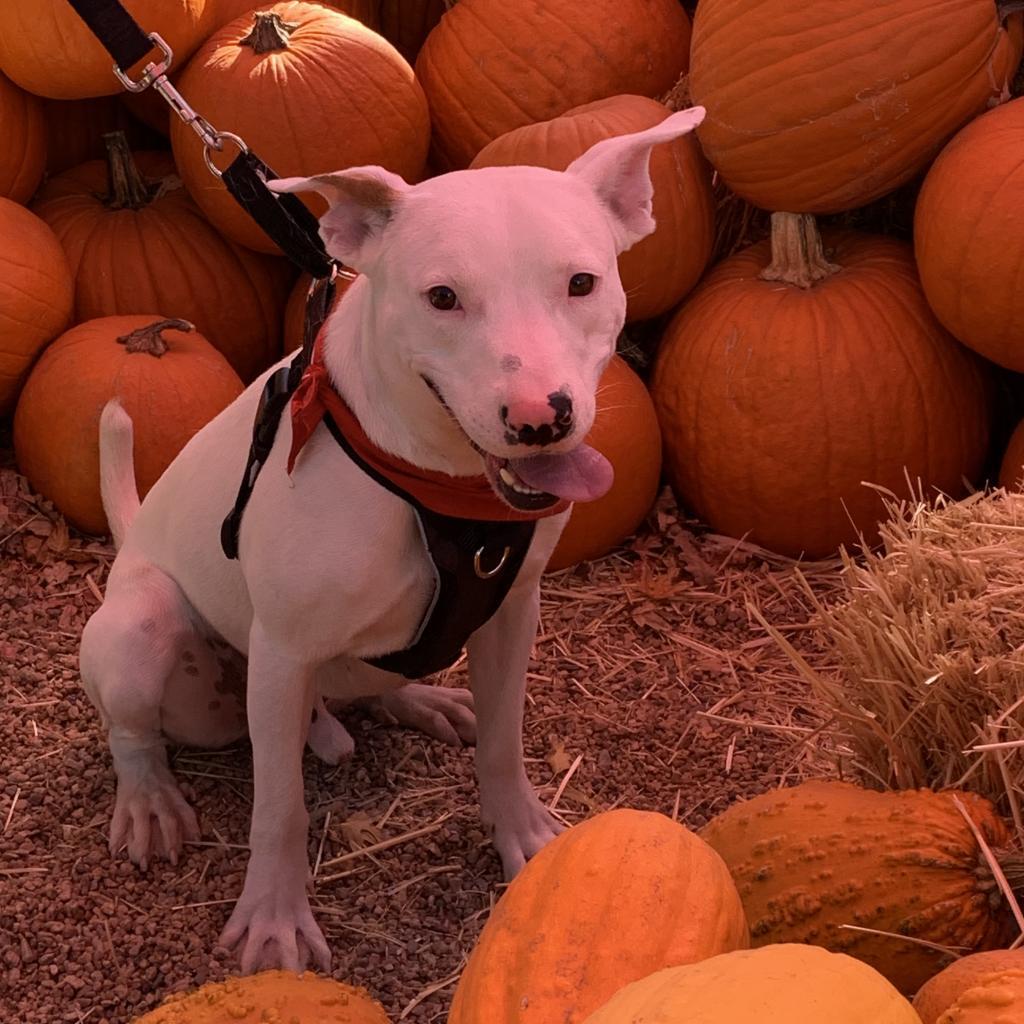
(46, 48)
(862, 95)
(558, 945)
(23, 152)
(358, 100)
(625, 432)
(780, 984)
(938, 994)
(793, 376)
(661, 268)
(170, 380)
(36, 295)
(813, 859)
(969, 241)
(137, 242)
(490, 66)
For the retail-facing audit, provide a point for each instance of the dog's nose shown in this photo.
(538, 421)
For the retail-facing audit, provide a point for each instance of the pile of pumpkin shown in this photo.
(820, 903)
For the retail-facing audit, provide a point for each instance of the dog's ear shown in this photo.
(361, 202)
(618, 170)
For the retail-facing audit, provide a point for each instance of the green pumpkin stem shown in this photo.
(150, 339)
(269, 33)
(798, 257)
(127, 188)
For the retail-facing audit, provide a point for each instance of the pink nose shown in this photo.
(532, 421)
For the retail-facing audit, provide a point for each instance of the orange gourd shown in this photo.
(170, 382)
(36, 294)
(969, 235)
(47, 49)
(136, 242)
(490, 66)
(814, 858)
(608, 902)
(660, 269)
(23, 151)
(791, 377)
(626, 432)
(823, 107)
(938, 994)
(311, 91)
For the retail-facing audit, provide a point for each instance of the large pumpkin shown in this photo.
(812, 859)
(788, 382)
(824, 107)
(490, 66)
(938, 994)
(611, 900)
(310, 90)
(170, 382)
(969, 235)
(661, 268)
(783, 984)
(137, 242)
(46, 48)
(36, 294)
(625, 432)
(996, 999)
(23, 151)
(270, 996)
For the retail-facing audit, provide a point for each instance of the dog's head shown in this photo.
(496, 292)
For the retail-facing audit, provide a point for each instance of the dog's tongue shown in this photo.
(583, 474)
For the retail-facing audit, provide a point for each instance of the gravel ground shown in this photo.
(649, 689)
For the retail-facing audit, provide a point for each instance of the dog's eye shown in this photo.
(581, 284)
(442, 297)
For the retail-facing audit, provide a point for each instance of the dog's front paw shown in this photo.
(520, 827)
(274, 931)
(440, 711)
(151, 818)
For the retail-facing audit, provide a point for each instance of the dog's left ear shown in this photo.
(361, 203)
(618, 170)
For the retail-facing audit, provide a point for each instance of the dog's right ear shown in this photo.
(361, 202)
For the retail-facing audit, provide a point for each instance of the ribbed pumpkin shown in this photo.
(170, 382)
(939, 993)
(607, 902)
(310, 90)
(996, 999)
(137, 242)
(23, 152)
(862, 95)
(783, 984)
(661, 268)
(490, 66)
(787, 380)
(969, 235)
(270, 996)
(1011, 472)
(36, 294)
(75, 130)
(220, 12)
(625, 432)
(46, 48)
(811, 859)
(295, 310)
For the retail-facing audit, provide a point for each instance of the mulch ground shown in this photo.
(651, 687)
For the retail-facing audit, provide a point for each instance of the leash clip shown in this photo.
(486, 574)
(152, 71)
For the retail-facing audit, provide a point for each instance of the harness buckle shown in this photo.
(152, 71)
(486, 574)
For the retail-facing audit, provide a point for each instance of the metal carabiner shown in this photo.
(486, 574)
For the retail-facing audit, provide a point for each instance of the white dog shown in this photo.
(487, 307)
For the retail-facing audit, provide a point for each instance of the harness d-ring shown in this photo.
(486, 574)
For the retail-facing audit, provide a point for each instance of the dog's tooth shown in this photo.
(507, 475)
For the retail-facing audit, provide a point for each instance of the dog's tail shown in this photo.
(117, 470)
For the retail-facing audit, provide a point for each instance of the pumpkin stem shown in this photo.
(1012, 864)
(678, 97)
(269, 33)
(150, 340)
(798, 257)
(128, 189)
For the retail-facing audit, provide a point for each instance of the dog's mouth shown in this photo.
(539, 481)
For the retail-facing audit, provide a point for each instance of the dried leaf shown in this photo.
(359, 831)
(59, 540)
(558, 759)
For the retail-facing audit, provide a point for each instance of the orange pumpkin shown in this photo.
(938, 994)
(137, 242)
(169, 398)
(75, 130)
(36, 293)
(295, 310)
(47, 49)
(626, 432)
(220, 12)
(969, 235)
(23, 153)
(824, 107)
(608, 902)
(660, 269)
(782, 389)
(490, 66)
(359, 104)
